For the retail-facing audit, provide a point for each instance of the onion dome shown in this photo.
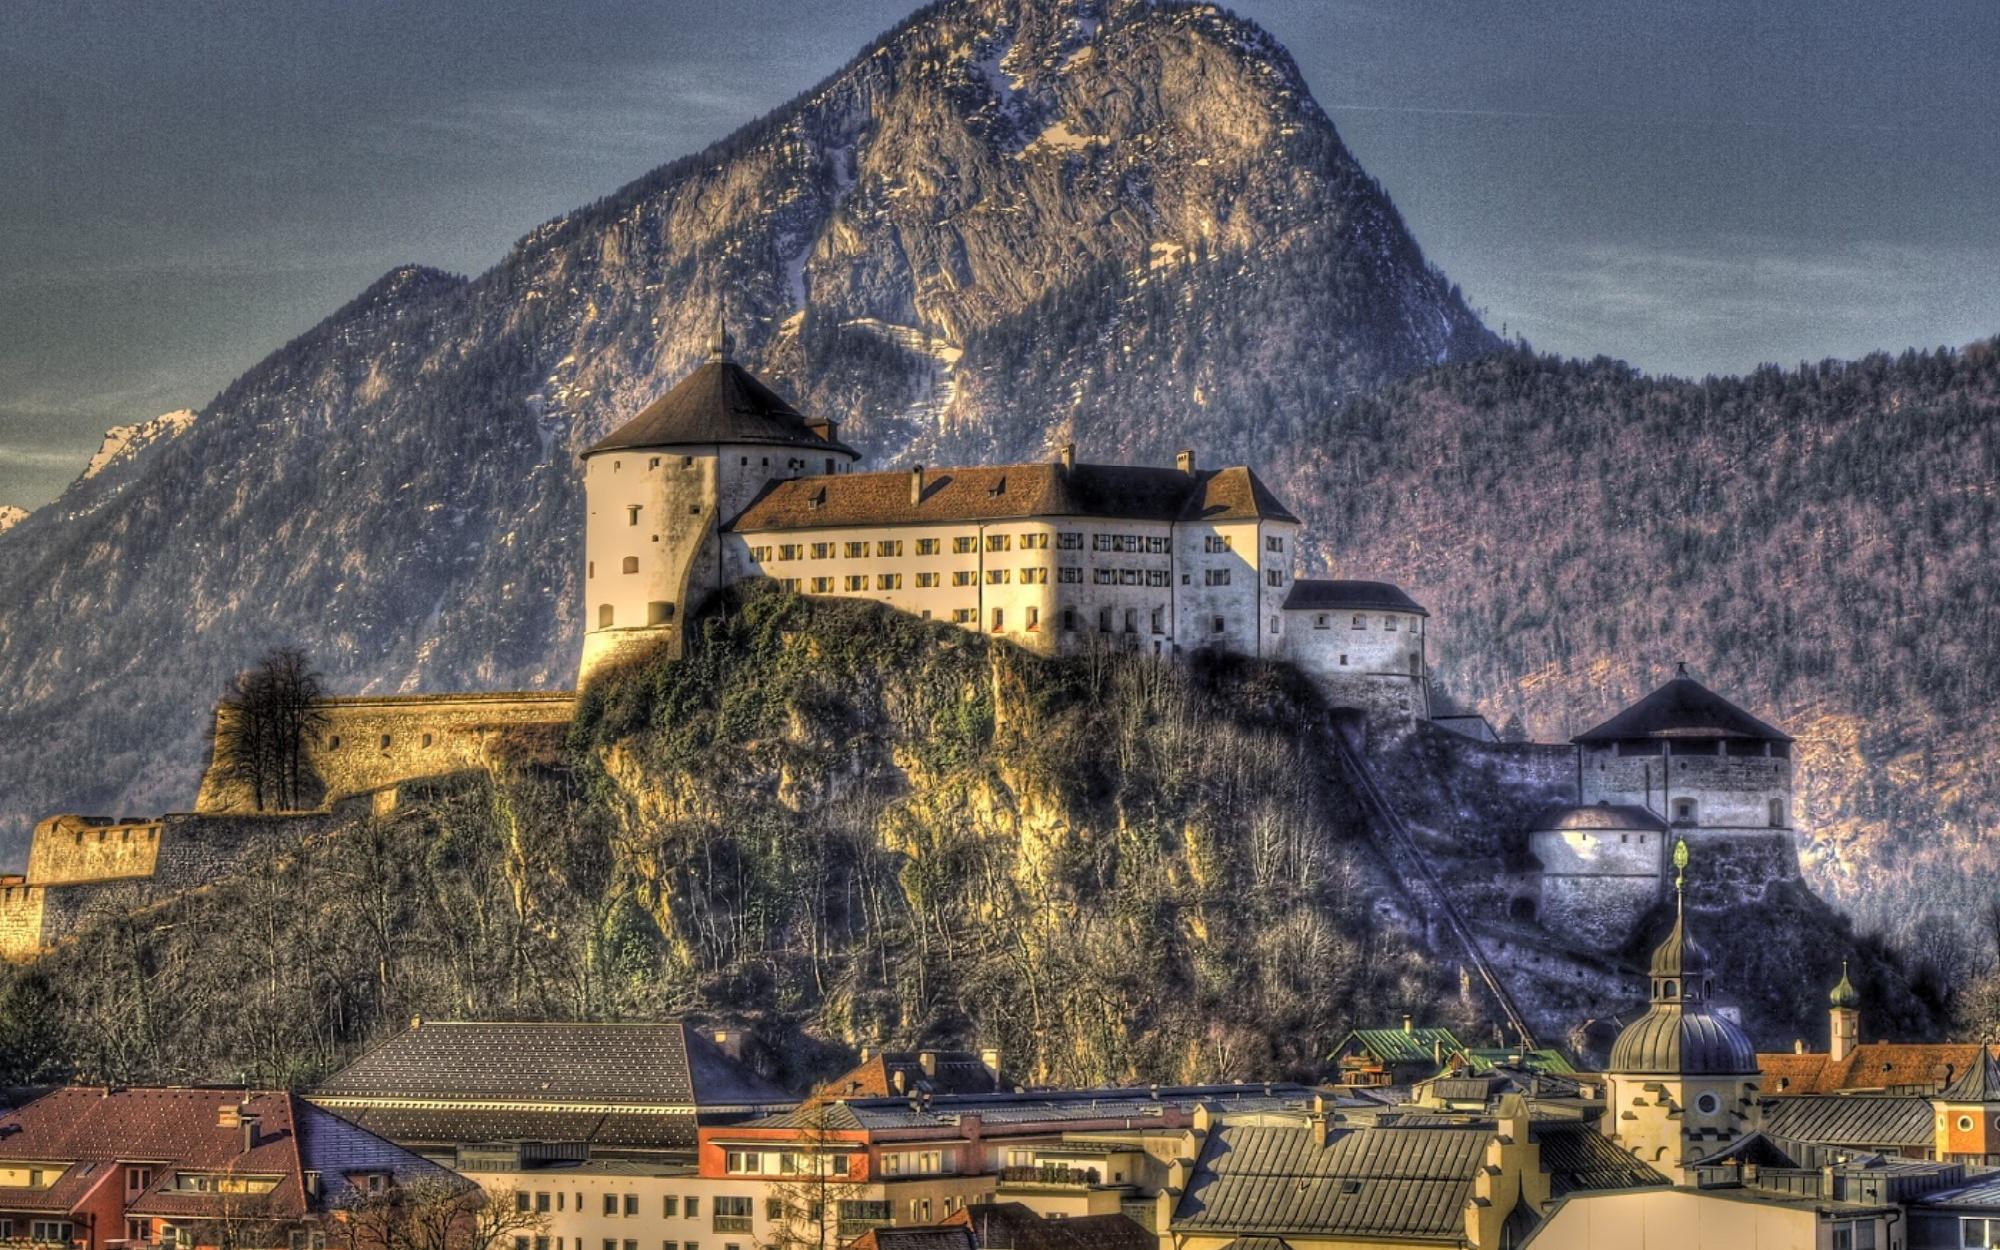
(1844, 994)
(1679, 1035)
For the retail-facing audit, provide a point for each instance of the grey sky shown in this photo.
(1696, 186)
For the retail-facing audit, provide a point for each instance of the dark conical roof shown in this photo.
(1980, 1082)
(1683, 708)
(719, 403)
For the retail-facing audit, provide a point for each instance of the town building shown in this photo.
(720, 481)
(924, 1073)
(1381, 1057)
(207, 1169)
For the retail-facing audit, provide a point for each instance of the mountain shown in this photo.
(123, 445)
(1006, 225)
(10, 516)
(1818, 542)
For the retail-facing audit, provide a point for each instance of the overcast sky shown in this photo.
(1695, 186)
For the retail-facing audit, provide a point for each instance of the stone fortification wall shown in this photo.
(1735, 868)
(1597, 911)
(68, 850)
(189, 850)
(370, 743)
(1729, 791)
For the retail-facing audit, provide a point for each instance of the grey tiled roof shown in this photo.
(1683, 708)
(1309, 594)
(1850, 1120)
(1578, 1156)
(446, 1126)
(529, 1062)
(1380, 1182)
(1139, 1103)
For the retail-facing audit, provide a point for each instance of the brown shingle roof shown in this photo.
(720, 403)
(1683, 708)
(1874, 1065)
(1015, 1226)
(1012, 492)
(953, 1072)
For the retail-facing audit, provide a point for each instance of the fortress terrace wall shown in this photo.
(68, 850)
(374, 742)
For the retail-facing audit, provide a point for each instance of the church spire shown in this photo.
(721, 344)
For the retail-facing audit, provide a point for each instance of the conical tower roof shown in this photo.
(1683, 708)
(1980, 1082)
(721, 402)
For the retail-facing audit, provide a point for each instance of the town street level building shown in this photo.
(721, 480)
(90, 1168)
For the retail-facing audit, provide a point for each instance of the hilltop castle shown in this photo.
(720, 481)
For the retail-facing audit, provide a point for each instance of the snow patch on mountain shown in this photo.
(123, 442)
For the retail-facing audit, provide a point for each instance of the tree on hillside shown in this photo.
(432, 1213)
(271, 715)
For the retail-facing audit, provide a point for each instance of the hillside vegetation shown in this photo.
(1818, 543)
(844, 823)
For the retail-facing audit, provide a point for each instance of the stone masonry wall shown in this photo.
(71, 849)
(370, 743)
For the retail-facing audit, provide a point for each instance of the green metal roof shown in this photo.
(1402, 1045)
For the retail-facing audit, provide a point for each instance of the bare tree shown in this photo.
(431, 1213)
(817, 1168)
(273, 713)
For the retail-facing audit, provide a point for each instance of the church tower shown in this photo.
(1681, 1078)
(660, 488)
(1967, 1114)
(1844, 1032)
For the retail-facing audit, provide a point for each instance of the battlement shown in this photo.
(374, 741)
(70, 850)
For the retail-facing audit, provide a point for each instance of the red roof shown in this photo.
(1873, 1066)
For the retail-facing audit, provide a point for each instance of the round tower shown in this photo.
(1692, 758)
(661, 490)
(1681, 1077)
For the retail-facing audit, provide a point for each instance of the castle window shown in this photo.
(1069, 619)
(1777, 813)
(617, 465)
(888, 581)
(1670, 989)
(604, 616)
(632, 514)
(822, 550)
(790, 551)
(822, 585)
(1684, 811)
(1322, 621)
(1274, 543)
(829, 464)
(1416, 665)
(1216, 577)
(1159, 620)
(1186, 578)
(767, 462)
(1215, 543)
(654, 463)
(746, 462)
(694, 509)
(1034, 621)
(687, 462)
(1360, 622)
(1274, 624)
(631, 564)
(333, 743)
(427, 739)
(385, 742)
(1131, 620)
(1104, 620)
(1034, 542)
(999, 577)
(999, 620)
(590, 569)
(964, 544)
(925, 580)
(1343, 661)
(659, 613)
(964, 577)
(1034, 577)
(889, 547)
(1389, 623)
(789, 584)
(927, 546)
(1217, 625)
(1156, 577)
(856, 551)
(1070, 576)
(1274, 577)
(857, 581)
(1069, 541)
(1128, 577)
(999, 542)
(964, 616)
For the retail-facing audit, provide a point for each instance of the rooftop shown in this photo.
(1871, 1066)
(1683, 708)
(1613, 816)
(1013, 492)
(721, 402)
(1321, 595)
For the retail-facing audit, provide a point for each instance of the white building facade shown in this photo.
(721, 481)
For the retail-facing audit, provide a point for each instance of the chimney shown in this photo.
(1316, 1122)
(249, 1133)
(730, 1042)
(416, 1022)
(899, 1081)
(1406, 1023)
(865, 1050)
(990, 1059)
(916, 484)
(1068, 456)
(1798, 1045)
(1184, 460)
(927, 1060)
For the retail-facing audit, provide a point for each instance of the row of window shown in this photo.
(672, 1206)
(792, 463)
(966, 544)
(1322, 620)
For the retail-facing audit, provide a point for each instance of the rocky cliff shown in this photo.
(1007, 224)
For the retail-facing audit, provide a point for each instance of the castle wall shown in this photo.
(1596, 910)
(70, 849)
(1737, 868)
(1599, 852)
(21, 910)
(1729, 791)
(1369, 659)
(373, 742)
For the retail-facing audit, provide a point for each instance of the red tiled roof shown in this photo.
(1874, 1065)
(952, 1072)
(1013, 492)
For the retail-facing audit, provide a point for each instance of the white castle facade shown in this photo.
(720, 481)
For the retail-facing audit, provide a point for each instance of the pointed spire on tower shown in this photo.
(721, 344)
(1680, 668)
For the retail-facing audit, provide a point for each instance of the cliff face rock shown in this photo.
(10, 516)
(1007, 225)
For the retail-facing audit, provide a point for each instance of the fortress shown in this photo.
(721, 481)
